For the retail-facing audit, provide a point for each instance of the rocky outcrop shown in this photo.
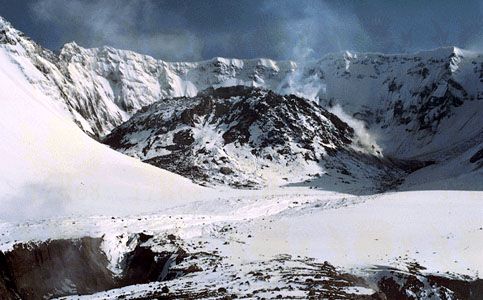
(414, 284)
(57, 268)
(236, 135)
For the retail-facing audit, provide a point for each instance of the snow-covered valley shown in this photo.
(361, 175)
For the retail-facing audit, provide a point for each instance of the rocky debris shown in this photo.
(414, 284)
(288, 277)
(32, 271)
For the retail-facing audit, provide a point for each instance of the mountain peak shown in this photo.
(71, 45)
(8, 34)
(4, 23)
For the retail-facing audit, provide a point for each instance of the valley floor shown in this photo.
(440, 232)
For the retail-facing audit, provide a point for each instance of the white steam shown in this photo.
(301, 85)
(312, 87)
(306, 83)
(364, 140)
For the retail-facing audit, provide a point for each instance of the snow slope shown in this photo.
(459, 167)
(440, 230)
(50, 167)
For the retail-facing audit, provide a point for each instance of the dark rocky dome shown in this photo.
(234, 135)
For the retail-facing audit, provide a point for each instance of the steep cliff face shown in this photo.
(56, 268)
(45, 73)
(404, 99)
(413, 102)
(133, 80)
(79, 266)
(101, 88)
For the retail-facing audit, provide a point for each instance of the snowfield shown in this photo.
(439, 230)
(442, 230)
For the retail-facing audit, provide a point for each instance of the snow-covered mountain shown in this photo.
(247, 137)
(412, 102)
(74, 210)
(101, 88)
(424, 106)
(412, 99)
(408, 104)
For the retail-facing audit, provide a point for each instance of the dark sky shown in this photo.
(278, 29)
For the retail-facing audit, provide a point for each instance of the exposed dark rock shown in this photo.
(440, 107)
(6, 39)
(462, 289)
(397, 284)
(263, 121)
(183, 138)
(77, 266)
(57, 268)
(477, 156)
(226, 170)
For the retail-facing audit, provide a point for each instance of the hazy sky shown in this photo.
(290, 29)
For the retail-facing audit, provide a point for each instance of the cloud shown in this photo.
(121, 24)
(172, 30)
(314, 28)
(278, 29)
